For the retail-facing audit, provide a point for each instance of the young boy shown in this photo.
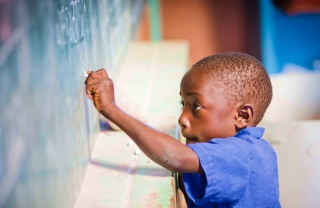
(225, 163)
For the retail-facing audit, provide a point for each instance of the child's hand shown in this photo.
(99, 88)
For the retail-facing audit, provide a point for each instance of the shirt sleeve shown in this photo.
(226, 165)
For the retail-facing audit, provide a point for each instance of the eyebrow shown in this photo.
(192, 93)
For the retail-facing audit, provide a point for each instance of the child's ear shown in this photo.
(244, 116)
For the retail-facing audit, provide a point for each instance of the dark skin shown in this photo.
(206, 114)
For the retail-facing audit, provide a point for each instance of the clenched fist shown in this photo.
(100, 89)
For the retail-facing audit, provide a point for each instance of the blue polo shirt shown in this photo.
(239, 171)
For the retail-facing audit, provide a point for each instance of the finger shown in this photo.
(89, 94)
(91, 90)
(103, 73)
(98, 75)
(88, 77)
(93, 78)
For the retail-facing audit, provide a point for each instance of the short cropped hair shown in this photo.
(241, 77)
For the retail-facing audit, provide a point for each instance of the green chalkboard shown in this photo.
(47, 125)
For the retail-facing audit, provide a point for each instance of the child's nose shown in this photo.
(183, 121)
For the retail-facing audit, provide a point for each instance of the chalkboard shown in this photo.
(47, 125)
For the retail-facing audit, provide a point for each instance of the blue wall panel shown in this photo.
(47, 125)
(288, 38)
(297, 38)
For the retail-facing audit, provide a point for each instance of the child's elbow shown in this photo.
(184, 164)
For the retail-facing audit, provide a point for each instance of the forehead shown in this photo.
(197, 78)
(204, 88)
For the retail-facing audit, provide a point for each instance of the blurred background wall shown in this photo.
(210, 26)
(276, 32)
(289, 31)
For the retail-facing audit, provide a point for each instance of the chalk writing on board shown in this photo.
(70, 23)
(46, 127)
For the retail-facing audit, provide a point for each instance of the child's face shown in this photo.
(206, 113)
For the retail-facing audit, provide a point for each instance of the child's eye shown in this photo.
(196, 106)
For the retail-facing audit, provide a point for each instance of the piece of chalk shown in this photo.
(137, 152)
(130, 143)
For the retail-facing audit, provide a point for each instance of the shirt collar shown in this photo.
(255, 132)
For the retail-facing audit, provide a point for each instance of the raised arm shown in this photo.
(161, 148)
